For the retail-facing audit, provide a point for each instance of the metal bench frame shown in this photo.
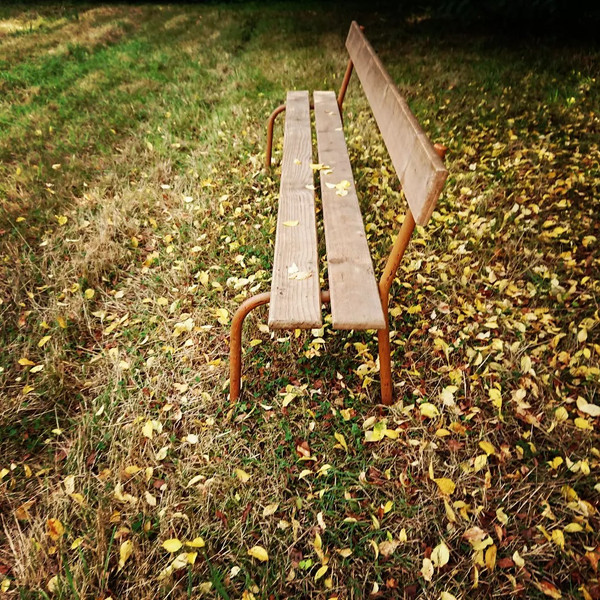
(385, 281)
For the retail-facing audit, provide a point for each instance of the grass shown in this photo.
(134, 209)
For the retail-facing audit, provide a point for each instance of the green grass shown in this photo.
(131, 150)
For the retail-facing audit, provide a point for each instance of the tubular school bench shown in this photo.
(357, 300)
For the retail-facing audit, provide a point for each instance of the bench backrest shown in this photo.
(419, 168)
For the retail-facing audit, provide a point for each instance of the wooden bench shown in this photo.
(357, 300)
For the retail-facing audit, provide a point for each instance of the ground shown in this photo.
(135, 216)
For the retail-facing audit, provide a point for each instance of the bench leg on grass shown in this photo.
(235, 342)
(235, 339)
(385, 283)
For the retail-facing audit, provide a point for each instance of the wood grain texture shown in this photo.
(355, 301)
(296, 303)
(420, 170)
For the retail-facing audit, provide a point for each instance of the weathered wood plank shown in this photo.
(355, 302)
(295, 294)
(420, 170)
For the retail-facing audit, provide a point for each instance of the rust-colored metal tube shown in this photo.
(270, 124)
(385, 283)
(235, 342)
(393, 261)
(235, 339)
(344, 86)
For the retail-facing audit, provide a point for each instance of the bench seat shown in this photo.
(295, 294)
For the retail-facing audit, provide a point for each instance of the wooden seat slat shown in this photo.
(355, 301)
(419, 168)
(295, 294)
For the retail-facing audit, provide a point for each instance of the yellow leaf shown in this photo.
(222, 316)
(255, 342)
(447, 486)
(480, 462)
(558, 538)
(447, 394)
(242, 475)
(502, 516)
(37, 368)
(496, 397)
(318, 543)
(429, 410)
(344, 552)
(270, 509)
(89, 293)
(44, 340)
(25, 362)
(427, 569)
(291, 223)
(490, 557)
(583, 424)
(447, 596)
(450, 514)
(172, 545)
(487, 448)
(573, 528)
(321, 572)
(561, 414)
(518, 559)
(76, 543)
(125, 552)
(259, 552)
(62, 219)
(52, 584)
(196, 543)
(340, 438)
(191, 438)
(148, 430)
(402, 537)
(440, 555)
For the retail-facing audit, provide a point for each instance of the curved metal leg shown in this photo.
(235, 342)
(270, 124)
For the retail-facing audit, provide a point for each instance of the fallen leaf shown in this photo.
(125, 552)
(172, 545)
(242, 475)
(429, 410)
(55, 529)
(427, 569)
(259, 552)
(446, 486)
(440, 555)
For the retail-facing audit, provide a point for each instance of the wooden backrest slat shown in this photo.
(295, 291)
(420, 170)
